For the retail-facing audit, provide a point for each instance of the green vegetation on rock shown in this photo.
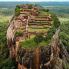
(31, 43)
(38, 38)
(64, 34)
(17, 10)
(56, 21)
(18, 33)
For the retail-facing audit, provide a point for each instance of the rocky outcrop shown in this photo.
(47, 57)
(53, 56)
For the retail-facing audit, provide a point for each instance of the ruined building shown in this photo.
(46, 57)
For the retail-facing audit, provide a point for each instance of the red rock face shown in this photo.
(37, 58)
(26, 17)
(21, 66)
(12, 52)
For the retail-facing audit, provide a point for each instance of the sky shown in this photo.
(35, 0)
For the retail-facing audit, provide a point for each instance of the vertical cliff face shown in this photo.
(49, 57)
(43, 57)
(56, 61)
(53, 56)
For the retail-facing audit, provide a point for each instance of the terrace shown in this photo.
(33, 25)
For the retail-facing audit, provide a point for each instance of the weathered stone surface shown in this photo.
(53, 56)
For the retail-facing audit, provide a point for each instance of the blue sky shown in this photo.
(35, 0)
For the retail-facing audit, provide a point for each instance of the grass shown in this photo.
(30, 43)
(5, 61)
(44, 43)
(4, 19)
(63, 19)
(43, 13)
(19, 33)
(38, 29)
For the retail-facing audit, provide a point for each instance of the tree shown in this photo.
(38, 38)
(17, 10)
(56, 21)
(45, 10)
(50, 33)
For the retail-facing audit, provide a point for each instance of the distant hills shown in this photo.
(13, 4)
(59, 8)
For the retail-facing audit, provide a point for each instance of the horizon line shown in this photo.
(34, 1)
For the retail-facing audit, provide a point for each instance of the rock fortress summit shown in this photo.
(33, 38)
